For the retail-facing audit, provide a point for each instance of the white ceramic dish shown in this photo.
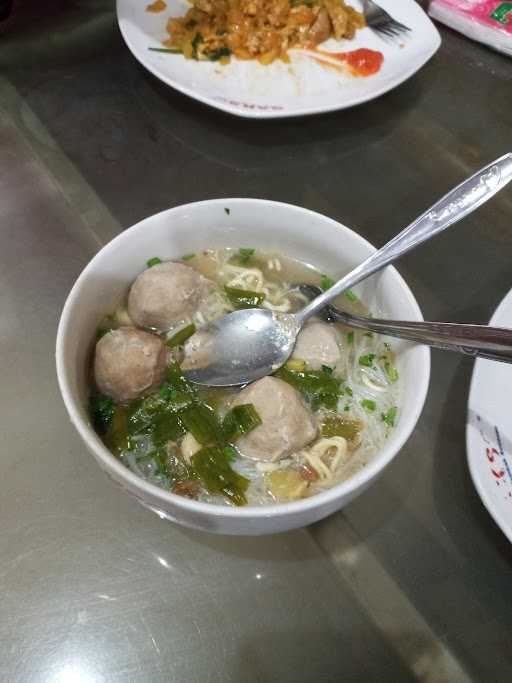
(489, 430)
(246, 88)
(291, 230)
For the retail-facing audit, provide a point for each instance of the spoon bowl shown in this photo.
(240, 347)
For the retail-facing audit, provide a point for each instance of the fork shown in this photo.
(479, 341)
(381, 22)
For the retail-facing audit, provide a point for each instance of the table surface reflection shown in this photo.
(411, 581)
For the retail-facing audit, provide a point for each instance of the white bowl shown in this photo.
(291, 230)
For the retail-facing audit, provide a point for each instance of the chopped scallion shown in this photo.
(215, 55)
(350, 337)
(296, 365)
(389, 417)
(368, 404)
(391, 372)
(169, 50)
(367, 361)
(351, 296)
(101, 409)
(341, 426)
(241, 298)
(201, 421)
(198, 38)
(319, 388)
(245, 254)
(230, 453)
(153, 261)
(240, 420)
(212, 467)
(326, 282)
(181, 336)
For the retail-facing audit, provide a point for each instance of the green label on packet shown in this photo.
(501, 13)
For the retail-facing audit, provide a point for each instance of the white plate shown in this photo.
(304, 86)
(489, 430)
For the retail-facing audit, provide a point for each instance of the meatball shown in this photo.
(164, 295)
(129, 363)
(287, 423)
(321, 28)
(317, 345)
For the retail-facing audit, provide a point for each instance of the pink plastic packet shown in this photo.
(488, 21)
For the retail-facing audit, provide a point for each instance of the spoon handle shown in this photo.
(454, 206)
(479, 341)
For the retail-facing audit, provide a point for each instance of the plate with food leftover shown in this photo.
(489, 430)
(275, 58)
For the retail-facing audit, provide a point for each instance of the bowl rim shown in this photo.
(111, 464)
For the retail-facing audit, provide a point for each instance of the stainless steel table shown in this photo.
(412, 581)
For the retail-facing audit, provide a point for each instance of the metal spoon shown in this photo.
(248, 344)
(479, 341)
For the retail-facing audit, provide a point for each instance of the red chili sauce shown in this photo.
(362, 62)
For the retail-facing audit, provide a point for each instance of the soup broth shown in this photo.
(315, 423)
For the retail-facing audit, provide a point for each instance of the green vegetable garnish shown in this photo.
(169, 50)
(350, 295)
(212, 467)
(181, 336)
(327, 369)
(241, 298)
(367, 361)
(201, 421)
(107, 325)
(230, 453)
(156, 418)
(101, 332)
(349, 391)
(177, 470)
(215, 55)
(175, 378)
(198, 38)
(368, 405)
(166, 427)
(341, 426)
(389, 417)
(296, 364)
(240, 420)
(326, 282)
(117, 437)
(101, 410)
(244, 255)
(153, 261)
(350, 337)
(187, 257)
(391, 371)
(319, 388)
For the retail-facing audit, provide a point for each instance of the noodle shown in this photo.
(259, 29)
